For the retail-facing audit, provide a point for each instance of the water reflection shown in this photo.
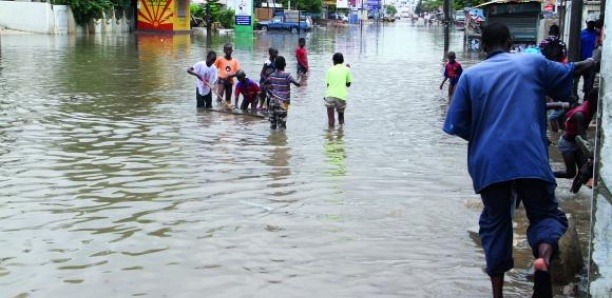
(279, 157)
(335, 153)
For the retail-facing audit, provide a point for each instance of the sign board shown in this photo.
(243, 20)
(341, 3)
(373, 4)
(244, 11)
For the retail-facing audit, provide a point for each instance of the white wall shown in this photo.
(36, 17)
(601, 253)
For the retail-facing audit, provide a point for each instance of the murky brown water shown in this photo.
(112, 184)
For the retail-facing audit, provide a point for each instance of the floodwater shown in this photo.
(112, 184)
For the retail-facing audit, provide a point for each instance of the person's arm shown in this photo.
(191, 71)
(214, 78)
(293, 81)
(235, 68)
(557, 105)
(581, 126)
(263, 69)
(349, 78)
(459, 117)
(237, 94)
(443, 81)
(588, 63)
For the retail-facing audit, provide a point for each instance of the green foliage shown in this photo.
(215, 12)
(433, 5)
(226, 18)
(315, 6)
(85, 10)
(197, 10)
(390, 10)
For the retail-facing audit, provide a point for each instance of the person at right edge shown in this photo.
(499, 107)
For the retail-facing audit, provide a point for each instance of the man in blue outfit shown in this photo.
(499, 107)
(588, 41)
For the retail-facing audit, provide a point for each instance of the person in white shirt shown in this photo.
(206, 74)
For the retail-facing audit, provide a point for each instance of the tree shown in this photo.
(390, 10)
(306, 5)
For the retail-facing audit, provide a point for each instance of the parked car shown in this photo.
(279, 23)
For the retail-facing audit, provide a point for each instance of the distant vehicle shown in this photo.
(279, 23)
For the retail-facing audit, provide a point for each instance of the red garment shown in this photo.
(250, 91)
(302, 56)
(571, 129)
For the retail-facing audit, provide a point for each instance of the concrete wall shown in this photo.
(45, 18)
(600, 276)
(37, 17)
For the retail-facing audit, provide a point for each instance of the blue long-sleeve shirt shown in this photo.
(499, 107)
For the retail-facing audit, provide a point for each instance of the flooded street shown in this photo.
(112, 184)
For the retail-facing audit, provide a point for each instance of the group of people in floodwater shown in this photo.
(500, 106)
(273, 92)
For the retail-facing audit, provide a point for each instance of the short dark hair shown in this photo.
(554, 30)
(211, 53)
(451, 54)
(272, 50)
(495, 34)
(338, 58)
(280, 63)
(227, 45)
(302, 40)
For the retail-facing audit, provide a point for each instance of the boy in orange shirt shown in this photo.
(226, 67)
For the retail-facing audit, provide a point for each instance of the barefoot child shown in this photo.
(452, 72)
(280, 92)
(249, 90)
(227, 67)
(206, 75)
(302, 57)
(338, 78)
(266, 71)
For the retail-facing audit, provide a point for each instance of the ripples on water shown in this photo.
(112, 183)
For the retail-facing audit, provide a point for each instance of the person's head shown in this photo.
(593, 98)
(496, 36)
(554, 30)
(211, 57)
(590, 22)
(302, 42)
(451, 56)
(279, 63)
(241, 75)
(228, 49)
(273, 52)
(338, 58)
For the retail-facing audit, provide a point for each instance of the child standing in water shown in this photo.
(280, 91)
(266, 71)
(206, 75)
(302, 57)
(226, 67)
(452, 72)
(337, 79)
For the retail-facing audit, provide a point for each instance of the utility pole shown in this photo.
(574, 32)
(209, 20)
(447, 16)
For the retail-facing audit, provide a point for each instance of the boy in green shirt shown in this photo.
(338, 78)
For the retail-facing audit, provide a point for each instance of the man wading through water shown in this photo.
(499, 107)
